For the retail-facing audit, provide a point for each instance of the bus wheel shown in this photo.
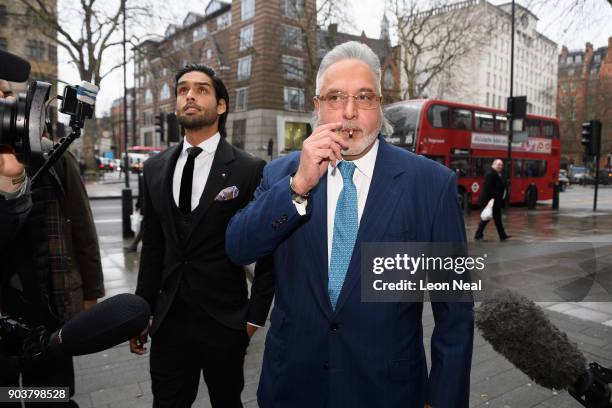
(531, 196)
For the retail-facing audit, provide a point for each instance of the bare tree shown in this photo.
(569, 121)
(433, 41)
(88, 31)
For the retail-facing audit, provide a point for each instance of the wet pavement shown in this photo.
(116, 378)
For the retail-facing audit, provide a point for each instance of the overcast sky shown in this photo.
(560, 20)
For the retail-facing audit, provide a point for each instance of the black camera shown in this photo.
(23, 119)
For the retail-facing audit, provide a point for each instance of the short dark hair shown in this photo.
(220, 89)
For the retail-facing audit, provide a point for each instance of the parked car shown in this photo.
(563, 180)
(576, 173)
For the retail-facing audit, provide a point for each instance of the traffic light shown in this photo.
(160, 124)
(174, 130)
(591, 137)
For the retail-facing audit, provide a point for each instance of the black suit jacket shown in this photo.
(218, 285)
(494, 187)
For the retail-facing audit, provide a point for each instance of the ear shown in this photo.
(221, 107)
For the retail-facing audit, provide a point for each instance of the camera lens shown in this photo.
(12, 121)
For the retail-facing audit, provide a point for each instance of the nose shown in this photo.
(350, 110)
(190, 95)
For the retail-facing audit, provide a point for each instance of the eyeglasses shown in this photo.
(363, 100)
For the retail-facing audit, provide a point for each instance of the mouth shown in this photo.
(350, 131)
(191, 109)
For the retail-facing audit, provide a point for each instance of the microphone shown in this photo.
(13, 68)
(520, 331)
(104, 325)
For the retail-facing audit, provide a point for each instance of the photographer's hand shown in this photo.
(10, 169)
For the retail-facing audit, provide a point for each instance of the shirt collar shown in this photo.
(209, 145)
(365, 164)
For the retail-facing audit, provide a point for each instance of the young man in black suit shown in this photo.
(494, 187)
(202, 314)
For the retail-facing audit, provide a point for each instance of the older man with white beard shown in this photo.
(312, 210)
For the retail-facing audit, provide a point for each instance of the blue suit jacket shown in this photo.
(361, 354)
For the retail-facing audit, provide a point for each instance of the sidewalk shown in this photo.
(116, 378)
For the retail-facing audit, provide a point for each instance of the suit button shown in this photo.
(161, 291)
(185, 262)
(181, 237)
(326, 366)
(334, 327)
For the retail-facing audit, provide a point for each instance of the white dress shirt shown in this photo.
(201, 169)
(362, 178)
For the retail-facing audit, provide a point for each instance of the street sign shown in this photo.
(475, 187)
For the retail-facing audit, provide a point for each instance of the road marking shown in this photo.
(108, 221)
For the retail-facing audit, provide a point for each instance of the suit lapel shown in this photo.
(167, 183)
(315, 239)
(380, 204)
(219, 174)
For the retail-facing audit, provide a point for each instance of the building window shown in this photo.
(294, 99)
(242, 98)
(487, 104)
(295, 134)
(207, 53)
(52, 49)
(148, 118)
(165, 92)
(3, 44)
(200, 33)
(292, 8)
(246, 37)
(36, 49)
(388, 79)
(239, 133)
(247, 9)
(148, 96)
(148, 139)
(224, 20)
(292, 37)
(244, 68)
(293, 68)
(3, 14)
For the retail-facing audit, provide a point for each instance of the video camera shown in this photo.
(31, 341)
(22, 120)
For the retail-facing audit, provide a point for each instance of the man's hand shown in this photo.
(250, 329)
(9, 165)
(427, 406)
(137, 344)
(323, 146)
(87, 304)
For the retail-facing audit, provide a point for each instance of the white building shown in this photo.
(482, 76)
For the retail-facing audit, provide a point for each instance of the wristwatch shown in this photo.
(296, 197)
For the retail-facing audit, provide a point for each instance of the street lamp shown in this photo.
(126, 194)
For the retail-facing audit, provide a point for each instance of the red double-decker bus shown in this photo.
(467, 138)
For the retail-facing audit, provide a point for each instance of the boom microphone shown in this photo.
(104, 325)
(520, 331)
(13, 68)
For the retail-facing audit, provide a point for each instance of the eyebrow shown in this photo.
(196, 83)
(332, 90)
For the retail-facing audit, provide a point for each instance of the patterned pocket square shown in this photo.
(227, 194)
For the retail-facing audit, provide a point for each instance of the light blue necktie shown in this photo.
(345, 232)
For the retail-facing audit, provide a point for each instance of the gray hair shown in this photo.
(350, 50)
(358, 51)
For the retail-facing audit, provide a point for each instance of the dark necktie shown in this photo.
(187, 180)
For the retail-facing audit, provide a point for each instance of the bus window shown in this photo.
(439, 159)
(533, 127)
(461, 119)
(535, 168)
(518, 168)
(438, 116)
(404, 118)
(501, 124)
(483, 121)
(460, 165)
(481, 166)
(549, 130)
